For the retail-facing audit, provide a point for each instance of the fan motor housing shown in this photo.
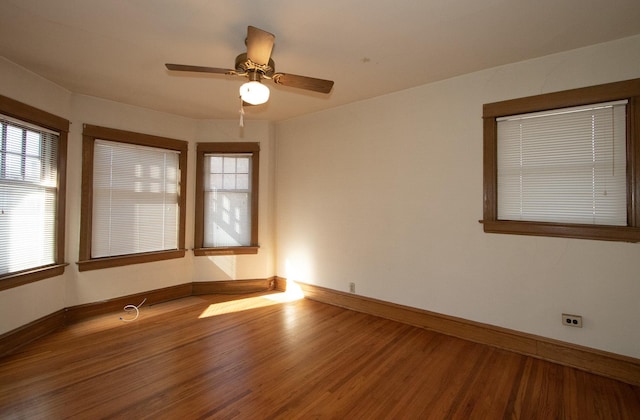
(244, 66)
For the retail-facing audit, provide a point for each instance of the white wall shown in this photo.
(387, 193)
(21, 305)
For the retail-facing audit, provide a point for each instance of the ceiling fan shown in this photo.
(256, 64)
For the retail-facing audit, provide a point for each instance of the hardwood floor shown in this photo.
(254, 357)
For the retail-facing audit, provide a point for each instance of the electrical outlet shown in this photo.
(572, 320)
(352, 287)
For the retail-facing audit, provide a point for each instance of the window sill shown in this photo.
(595, 232)
(24, 277)
(234, 250)
(108, 262)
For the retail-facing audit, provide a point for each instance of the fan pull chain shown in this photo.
(241, 113)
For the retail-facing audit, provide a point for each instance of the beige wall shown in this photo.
(27, 303)
(387, 193)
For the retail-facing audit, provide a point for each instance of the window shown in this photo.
(33, 148)
(227, 198)
(565, 164)
(133, 198)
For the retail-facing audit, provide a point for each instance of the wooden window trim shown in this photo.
(226, 147)
(89, 135)
(24, 112)
(629, 90)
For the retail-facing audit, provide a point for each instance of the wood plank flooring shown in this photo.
(259, 357)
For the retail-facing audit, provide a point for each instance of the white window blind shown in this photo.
(227, 200)
(566, 165)
(28, 195)
(135, 199)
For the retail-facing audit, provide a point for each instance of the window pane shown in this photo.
(227, 200)
(13, 166)
(242, 181)
(242, 165)
(229, 182)
(226, 220)
(33, 143)
(229, 165)
(215, 181)
(27, 227)
(14, 139)
(216, 164)
(32, 169)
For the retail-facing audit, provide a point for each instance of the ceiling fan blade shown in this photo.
(198, 69)
(259, 45)
(303, 82)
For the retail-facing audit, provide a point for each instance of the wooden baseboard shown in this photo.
(280, 284)
(623, 368)
(13, 340)
(80, 312)
(233, 286)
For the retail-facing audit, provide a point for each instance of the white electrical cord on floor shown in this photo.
(131, 308)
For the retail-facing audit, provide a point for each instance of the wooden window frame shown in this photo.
(90, 134)
(222, 148)
(629, 90)
(27, 113)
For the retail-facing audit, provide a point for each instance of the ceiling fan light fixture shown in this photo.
(255, 65)
(254, 92)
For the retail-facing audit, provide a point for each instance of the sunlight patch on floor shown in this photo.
(293, 293)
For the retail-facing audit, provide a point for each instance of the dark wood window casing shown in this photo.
(29, 114)
(629, 90)
(222, 148)
(90, 134)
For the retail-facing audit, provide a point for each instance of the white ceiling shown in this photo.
(116, 49)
